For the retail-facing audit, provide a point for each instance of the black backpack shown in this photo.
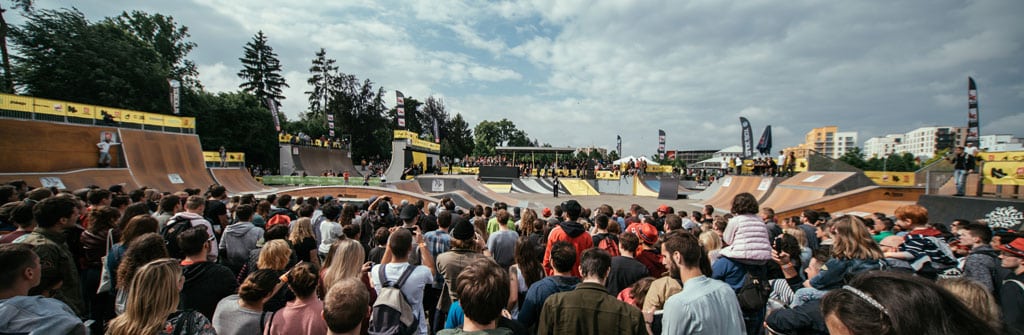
(753, 295)
(392, 314)
(170, 232)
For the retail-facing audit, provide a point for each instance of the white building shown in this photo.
(999, 143)
(925, 141)
(843, 142)
(882, 146)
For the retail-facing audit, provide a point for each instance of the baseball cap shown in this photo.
(546, 212)
(408, 212)
(646, 232)
(663, 209)
(1016, 247)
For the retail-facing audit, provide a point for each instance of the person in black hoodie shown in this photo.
(205, 282)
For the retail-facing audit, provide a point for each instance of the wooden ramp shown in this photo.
(867, 199)
(43, 147)
(237, 180)
(812, 185)
(730, 186)
(315, 160)
(166, 161)
(74, 180)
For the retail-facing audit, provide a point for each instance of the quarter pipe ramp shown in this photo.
(165, 161)
(237, 180)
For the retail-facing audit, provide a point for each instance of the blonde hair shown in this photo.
(301, 229)
(710, 240)
(152, 296)
(801, 237)
(274, 256)
(976, 297)
(346, 262)
(852, 240)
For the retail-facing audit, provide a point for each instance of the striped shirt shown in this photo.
(438, 242)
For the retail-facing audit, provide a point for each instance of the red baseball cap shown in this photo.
(663, 209)
(1016, 247)
(546, 212)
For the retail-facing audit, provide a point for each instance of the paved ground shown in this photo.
(616, 201)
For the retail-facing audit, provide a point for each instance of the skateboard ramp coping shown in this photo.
(44, 147)
(165, 161)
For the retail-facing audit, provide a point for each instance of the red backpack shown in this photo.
(609, 245)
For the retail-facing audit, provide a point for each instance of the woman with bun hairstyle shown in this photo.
(304, 314)
(243, 313)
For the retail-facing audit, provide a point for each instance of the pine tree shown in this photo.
(261, 71)
(322, 72)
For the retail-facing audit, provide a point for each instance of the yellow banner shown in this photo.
(155, 119)
(611, 175)
(15, 103)
(214, 157)
(136, 117)
(188, 122)
(114, 113)
(659, 169)
(1003, 173)
(81, 110)
(1005, 156)
(406, 134)
(50, 107)
(890, 178)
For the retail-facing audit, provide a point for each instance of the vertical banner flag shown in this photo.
(748, 138)
(618, 145)
(330, 124)
(437, 133)
(400, 107)
(272, 105)
(661, 144)
(764, 146)
(175, 95)
(973, 131)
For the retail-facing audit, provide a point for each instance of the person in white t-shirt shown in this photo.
(396, 261)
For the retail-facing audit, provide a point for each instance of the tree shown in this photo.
(458, 139)
(7, 86)
(322, 73)
(63, 56)
(854, 157)
(261, 71)
(165, 37)
(489, 135)
(236, 120)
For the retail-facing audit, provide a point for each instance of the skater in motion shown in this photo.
(104, 147)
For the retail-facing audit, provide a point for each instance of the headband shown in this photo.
(867, 298)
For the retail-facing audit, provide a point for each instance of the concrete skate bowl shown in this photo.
(358, 193)
(809, 186)
(730, 186)
(314, 161)
(165, 161)
(861, 201)
(44, 147)
(74, 180)
(237, 180)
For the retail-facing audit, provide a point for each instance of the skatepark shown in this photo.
(169, 157)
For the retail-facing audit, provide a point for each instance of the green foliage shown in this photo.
(492, 134)
(236, 120)
(905, 162)
(456, 139)
(63, 56)
(855, 157)
(261, 71)
(7, 85)
(165, 37)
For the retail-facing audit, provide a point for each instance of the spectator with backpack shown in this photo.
(743, 263)
(604, 239)
(626, 270)
(304, 314)
(239, 239)
(191, 217)
(400, 284)
(205, 282)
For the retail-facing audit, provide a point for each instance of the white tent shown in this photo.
(628, 158)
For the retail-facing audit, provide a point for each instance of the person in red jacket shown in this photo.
(570, 231)
(647, 253)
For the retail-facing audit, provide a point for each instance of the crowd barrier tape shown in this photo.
(20, 103)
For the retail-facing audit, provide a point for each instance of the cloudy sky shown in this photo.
(577, 73)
